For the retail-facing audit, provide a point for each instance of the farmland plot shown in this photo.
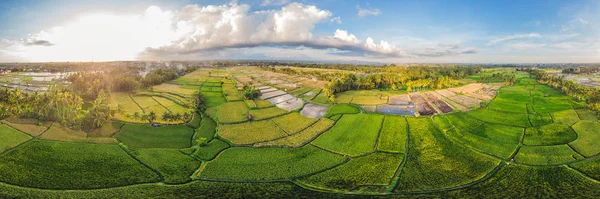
(552, 134)
(376, 169)
(352, 135)
(60, 133)
(233, 112)
(393, 135)
(588, 140)
(29, 126)
(293, 123)
(423, 107)
(342, 109)
(568, 117)
(512, 119)
(546, 155)
(443, 106)
(396, 109)
(271, 94)
(174, 166)
(66, 165)
(11, 137)
(302, 138)
(266, 113)
(399, 100)
(146, 136)
(251, 132)
(291, 104)
(498, 140)
(314, 111)
(210, 150)
(435, 162)
(268, 163)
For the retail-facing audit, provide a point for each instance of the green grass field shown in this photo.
(64, 165)
(568, 117)
(293, 123)
(233, 112)
(210, 150)
(251, 132)
(266, 113)
(393, 134)
(552, 134)
(376, 169)
(495, 139)
(174, 166)
(434, 162)
(491, 116)
(588, 140)
(546, 155)
(268, 163)
(352, 135)
(145, 136)
(341, 109)
(301, 138)
(11, 137)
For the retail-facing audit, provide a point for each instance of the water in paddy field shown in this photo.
(396, 109)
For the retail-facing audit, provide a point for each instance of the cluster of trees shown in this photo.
(166, 116)
(585, 70)
(62, 106)
(570, 88)
(250, 92)
(499, 77)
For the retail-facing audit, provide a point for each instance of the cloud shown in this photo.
(202, 31)
(274, 2)
(38, 43)
(366, 12)
(337, 20)
(513, 37)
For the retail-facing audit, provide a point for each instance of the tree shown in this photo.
(150, 117)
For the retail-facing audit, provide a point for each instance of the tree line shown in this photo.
(62, 106)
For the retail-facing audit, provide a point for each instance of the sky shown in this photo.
(401, 31)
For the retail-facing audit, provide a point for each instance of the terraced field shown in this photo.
(525, 143)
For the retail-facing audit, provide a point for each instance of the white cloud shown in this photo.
(345, 36)
(513, 37)
(362, 12)
(337, 20)
(274, 2)
(582, 21)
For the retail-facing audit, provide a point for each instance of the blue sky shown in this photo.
(382, 31)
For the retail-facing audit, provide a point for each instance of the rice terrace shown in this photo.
(299, 99)
(478, 136)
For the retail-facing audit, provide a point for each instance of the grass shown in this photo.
(352, 135)
(174, 166)
(495, 139)
(233, 112)
(206, 130)
(588, 140)
(293, 123)
(551, 134)
(265, 113)
(342, 109)
(146, 136)
(463, 121)
(268, 163)
(442, 123)
(107, 130)
(546, 155)
(262, 103)
(210, 150)
(393, 134)
(302, 137)
(369, 100)
(586, 114)
(11, 137)
(58, 132)
(520, 181)
(376, 169)
(29, 126)
(195, 122)
(568, 117)
(491, 116)
(214, 99)
(540, 119)
(66, 165)
(434, 162)
(251, 132)
(590, 167)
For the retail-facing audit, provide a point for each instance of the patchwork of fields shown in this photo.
(291, 142)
